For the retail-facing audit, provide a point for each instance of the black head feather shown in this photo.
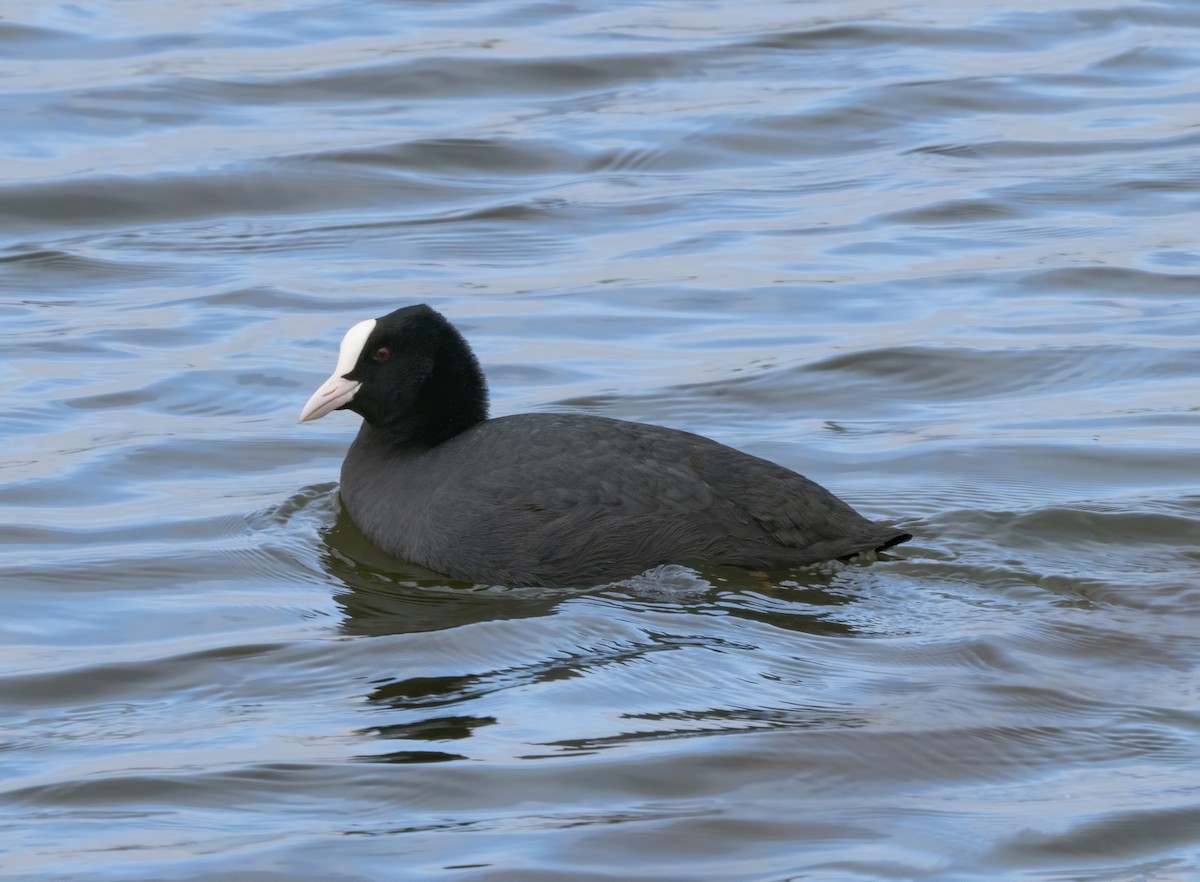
(421, 384)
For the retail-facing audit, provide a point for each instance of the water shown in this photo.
(941, 259)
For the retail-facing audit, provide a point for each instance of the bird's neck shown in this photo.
(451, 400)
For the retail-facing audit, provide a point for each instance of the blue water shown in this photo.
(941, 259)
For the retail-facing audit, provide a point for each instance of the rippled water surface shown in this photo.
(941, 257)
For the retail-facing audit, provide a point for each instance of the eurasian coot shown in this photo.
(548, 498)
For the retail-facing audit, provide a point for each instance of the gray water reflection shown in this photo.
(940, 258)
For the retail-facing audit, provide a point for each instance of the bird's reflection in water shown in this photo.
(428, 709)
(385, 596)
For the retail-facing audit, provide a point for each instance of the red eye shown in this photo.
(382, 354)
